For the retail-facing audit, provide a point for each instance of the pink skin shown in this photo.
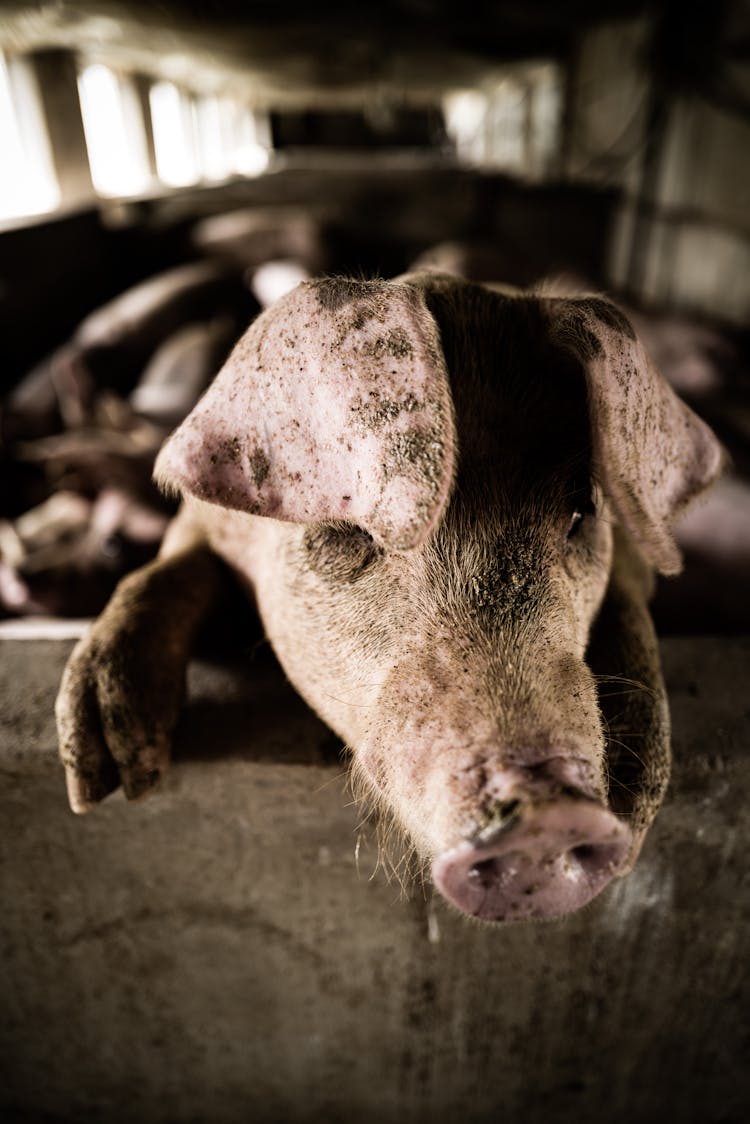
(66, 554)
(295, 459)
(417, 738)
(440, 754)
(551, 848)
(417, 481)
(460, 696)
(552, 857)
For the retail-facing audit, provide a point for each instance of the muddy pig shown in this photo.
(448, 503)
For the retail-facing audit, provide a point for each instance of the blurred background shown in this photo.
(226, 953)
(169, 169)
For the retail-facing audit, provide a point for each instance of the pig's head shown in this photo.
(423, 476)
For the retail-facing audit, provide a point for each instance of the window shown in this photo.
(512, 125)
(28, 184)
(177, 156)
(232, 139)
(252, 138)
(215, 140)
(115, 136)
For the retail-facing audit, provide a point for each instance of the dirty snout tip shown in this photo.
(553, 858)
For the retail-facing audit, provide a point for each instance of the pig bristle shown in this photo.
(564, 284)
(166, 484)
(397, 857)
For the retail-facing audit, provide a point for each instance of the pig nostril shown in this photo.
(594, 859)
(484, 872)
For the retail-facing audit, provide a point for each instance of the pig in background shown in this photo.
(79, 434)
(112, 345)
(78, 437)
(447, 502)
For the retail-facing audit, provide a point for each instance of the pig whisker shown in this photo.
(390, 836)
(614, 779)
(399, 870)
(390, 840)
(636, 684)
(397, 857)
(405, 878)
(332, 780)
(616, 694)
(346, 702)
(629, 749)
(614, 740)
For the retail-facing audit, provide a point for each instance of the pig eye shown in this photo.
(578, 517)
(340, 550)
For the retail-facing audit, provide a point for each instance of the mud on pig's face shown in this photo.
(441, 495)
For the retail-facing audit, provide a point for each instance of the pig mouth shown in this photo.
(547, 859)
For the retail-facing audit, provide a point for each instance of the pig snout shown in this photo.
(550, 848)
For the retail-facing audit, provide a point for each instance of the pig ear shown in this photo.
(652, 453)
(334, 405)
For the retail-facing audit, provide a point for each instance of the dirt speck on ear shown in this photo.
(354, 304)
(259, 467)
(365, 311)
(416, 452)
(394, 343)
(376, 411)
(227, 451)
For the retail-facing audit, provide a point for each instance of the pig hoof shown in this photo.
(553, 858)
(115, 714)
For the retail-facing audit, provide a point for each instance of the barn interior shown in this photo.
(167, 171)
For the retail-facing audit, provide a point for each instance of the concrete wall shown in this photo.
(213, 954)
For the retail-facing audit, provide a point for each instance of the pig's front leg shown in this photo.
(624, 656)
(123, 687)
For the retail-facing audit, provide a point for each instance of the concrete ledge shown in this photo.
(212, 954)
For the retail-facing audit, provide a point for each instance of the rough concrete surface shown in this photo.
(213, 954)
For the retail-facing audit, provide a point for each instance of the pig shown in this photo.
(713, 595)
(66, 556)
(58, 393)
(115, 341)
(249, 237)
(180, 369)
(448, 502)
(97, 513)
(112, 346)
